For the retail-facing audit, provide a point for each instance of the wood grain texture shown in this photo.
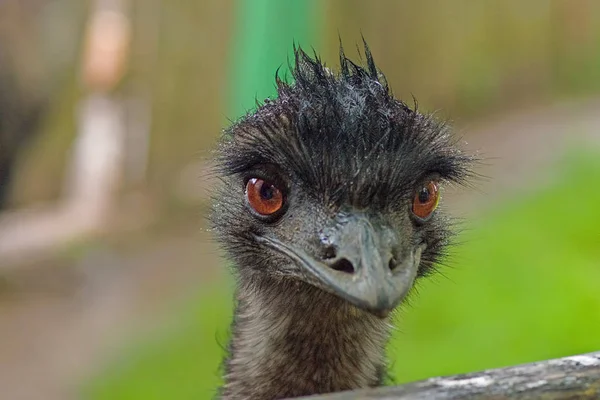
(575, 377)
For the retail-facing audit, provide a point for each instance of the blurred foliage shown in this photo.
(178, 62)
(38, 42)
(523, 287)
(471, 58)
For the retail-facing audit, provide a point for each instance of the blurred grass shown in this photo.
(181, 363)
(525, 287)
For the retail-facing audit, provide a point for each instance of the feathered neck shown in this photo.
(290, 339)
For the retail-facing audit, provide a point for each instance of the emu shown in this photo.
(328, 210)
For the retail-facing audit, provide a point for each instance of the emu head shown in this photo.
(336, 183)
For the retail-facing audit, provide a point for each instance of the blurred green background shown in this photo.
(141, 307)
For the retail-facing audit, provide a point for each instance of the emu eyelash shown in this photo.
(268, 173)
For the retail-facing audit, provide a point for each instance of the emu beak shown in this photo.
(363, 271)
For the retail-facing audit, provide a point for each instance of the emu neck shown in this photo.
(290, 339)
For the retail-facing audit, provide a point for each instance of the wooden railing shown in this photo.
(575, 377)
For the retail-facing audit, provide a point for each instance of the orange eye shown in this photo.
(426, 200)
(265, 198)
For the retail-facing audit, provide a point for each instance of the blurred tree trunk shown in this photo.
(20, 116)
(37, 45)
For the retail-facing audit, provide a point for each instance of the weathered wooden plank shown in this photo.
(575, 377)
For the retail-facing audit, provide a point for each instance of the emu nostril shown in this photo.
(393, 263)
(343, 265)
(329, 253)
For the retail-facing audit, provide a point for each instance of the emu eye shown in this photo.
(264, 198)
(426, 200)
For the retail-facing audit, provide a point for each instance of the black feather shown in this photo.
(344, 135)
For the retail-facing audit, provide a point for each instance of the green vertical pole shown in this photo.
(263, 35)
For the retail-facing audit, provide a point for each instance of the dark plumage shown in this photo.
(344, 164)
